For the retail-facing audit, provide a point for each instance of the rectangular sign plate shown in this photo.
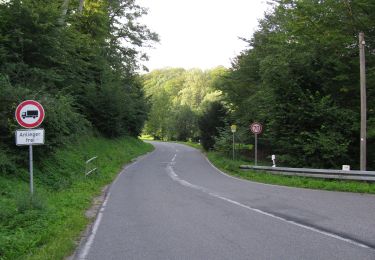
(30, 137)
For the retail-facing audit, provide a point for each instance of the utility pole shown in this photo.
(363, 101)
(80, 7)
(64, 10)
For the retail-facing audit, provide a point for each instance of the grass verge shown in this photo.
(231, 167)
(47, 226)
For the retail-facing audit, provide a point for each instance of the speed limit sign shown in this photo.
(256, 128)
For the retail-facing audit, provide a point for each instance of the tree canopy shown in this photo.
(80, 60)
(178, 97)
(300, 77)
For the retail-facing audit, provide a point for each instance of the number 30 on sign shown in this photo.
(256, 128)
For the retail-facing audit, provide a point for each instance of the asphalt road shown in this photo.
(172, 204)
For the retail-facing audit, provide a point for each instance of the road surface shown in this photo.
(172, 204)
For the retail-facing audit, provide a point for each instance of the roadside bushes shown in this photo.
(210, 122)
(76, 68)
(62, 124)
(116, 107)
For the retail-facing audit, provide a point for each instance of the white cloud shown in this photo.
(200, 33)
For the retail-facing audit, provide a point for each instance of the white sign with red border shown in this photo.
(256, 128)
(29, 114)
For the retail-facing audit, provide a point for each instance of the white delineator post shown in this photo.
(273, 157)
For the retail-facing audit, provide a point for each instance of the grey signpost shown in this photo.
(256, 128)
(30, 114)
(233, 128)
(31, 166)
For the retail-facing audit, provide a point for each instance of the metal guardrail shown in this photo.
(88, 169)
(316, 173)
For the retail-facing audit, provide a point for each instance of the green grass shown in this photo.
(48, 227)
(231, 167)
(147, 137)
(192, 144)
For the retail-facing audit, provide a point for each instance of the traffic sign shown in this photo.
(256, 128)
(29, 114)
(233, 128)
(29, 137)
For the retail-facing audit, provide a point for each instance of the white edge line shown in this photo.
(87, 246)
(176, 178)
(292, 222)
(240, 179)
(91, 238)
(245, 180)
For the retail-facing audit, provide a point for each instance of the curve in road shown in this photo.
(172, 204)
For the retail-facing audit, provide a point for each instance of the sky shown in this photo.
(200, 33)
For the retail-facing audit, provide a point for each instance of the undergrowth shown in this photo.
(233, 168)
(47, 225)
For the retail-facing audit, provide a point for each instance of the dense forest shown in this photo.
(178, 97)
(299, 77)
(82, 60)
(79, 59)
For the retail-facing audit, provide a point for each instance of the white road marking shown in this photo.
(174, 157)
(91, 238)
(176, 178)
(245, 180)
(87, 246)
(106, 200)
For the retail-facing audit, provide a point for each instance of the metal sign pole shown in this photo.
(233, 128)
(31, 170)
(233, 146)
(256, 128)
(256, 149)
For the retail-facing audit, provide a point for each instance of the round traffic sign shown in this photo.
(256, 128)
(29, 114)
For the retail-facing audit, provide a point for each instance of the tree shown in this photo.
(185, 123)
(210, 122)
(300, 77)
(177, 96)
(82, 65)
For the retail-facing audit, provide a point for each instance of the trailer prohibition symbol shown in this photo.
(29, 114)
